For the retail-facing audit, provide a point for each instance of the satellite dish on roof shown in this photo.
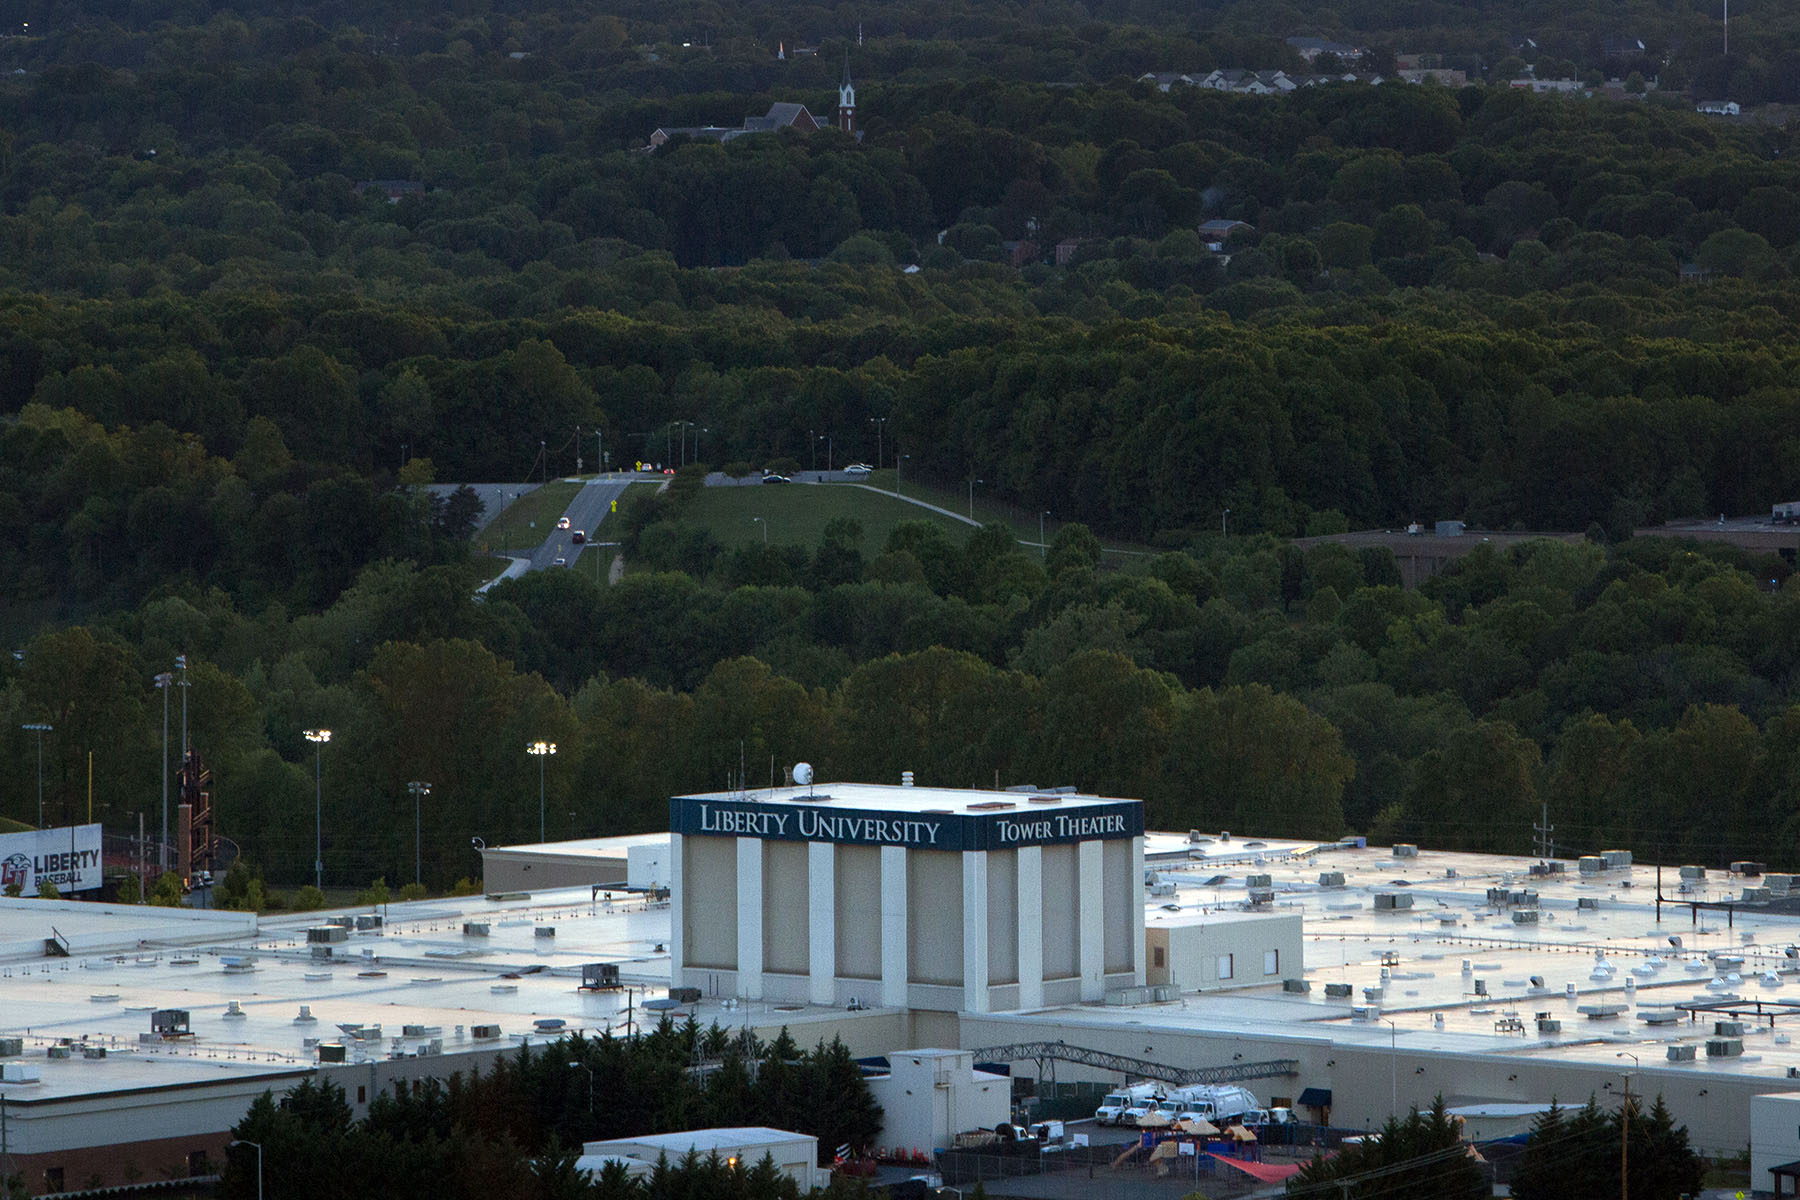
(803, 774)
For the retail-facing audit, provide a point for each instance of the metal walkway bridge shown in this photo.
(1140, 1068)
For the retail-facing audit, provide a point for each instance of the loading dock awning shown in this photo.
(1315, 1097)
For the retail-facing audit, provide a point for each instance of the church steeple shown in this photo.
(847, 100)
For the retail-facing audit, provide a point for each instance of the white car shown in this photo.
(561, 562)
(858, 469)
(563, 523)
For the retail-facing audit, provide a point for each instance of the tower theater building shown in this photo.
(940, 899)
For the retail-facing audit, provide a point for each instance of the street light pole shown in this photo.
(1625, 1130)
(40, 729)
(542, 750)
(880, 424)
(418, 790)
(972, 482)
(765, 525)
(164, 682)
(318, 737)
(1043, 547)
(590, 1075)
(812, 439)
(259, 1164)
(1224, 523)
(181, 665)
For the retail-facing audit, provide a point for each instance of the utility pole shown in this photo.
(1545, 847)
(164, 682)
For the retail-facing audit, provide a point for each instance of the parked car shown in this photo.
(776, 479)
(858, 469)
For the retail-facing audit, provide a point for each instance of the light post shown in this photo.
(812, 439)
(765, 525)
(181, 665)
(40, 729)
(259, 1165)
(418, 790)
(1224, 523)
(1393, 1067)
(880, 424)
(163, 683)
(542, 750)
(1625, 1129)
(1043, 547)
(318, 737)
(830, 448)
(590, 1074)
(972, 482)
(898, 459)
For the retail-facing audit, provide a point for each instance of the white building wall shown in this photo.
(1774, 1136)
(930, 1096)
(1091, 881)
(750, 917)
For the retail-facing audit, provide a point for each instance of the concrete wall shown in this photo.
(819, 923)
(1369, 1080)
(505, 871)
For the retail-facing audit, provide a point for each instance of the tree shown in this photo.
(1247, 757)
(1419, 1157)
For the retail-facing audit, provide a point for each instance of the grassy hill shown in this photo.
(797, 513)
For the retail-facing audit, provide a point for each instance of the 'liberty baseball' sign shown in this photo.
(68, 857)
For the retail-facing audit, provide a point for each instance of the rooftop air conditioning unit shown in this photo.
(1724, 1047)
(484, 1033)
(11, 1047)
(1406, 850)
(321, 935)
(1338, 991)
(1331, 879)
(18, 1072)
(1686, 1054)
(1259, 881)
(475, 928)
(331, 1052)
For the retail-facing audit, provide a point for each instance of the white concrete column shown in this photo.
(675, 903)
(750, 918)
(1135, 898)
(893, 926)
(1091, 873)
(1031, 926)
(821, 922)
(975, 931)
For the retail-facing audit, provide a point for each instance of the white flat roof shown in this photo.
(701, 1141)
(606, 847)
(894, 798)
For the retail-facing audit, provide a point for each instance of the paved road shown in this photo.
(590, 508)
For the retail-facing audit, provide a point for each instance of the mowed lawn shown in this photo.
(513, 528)
(796, 514)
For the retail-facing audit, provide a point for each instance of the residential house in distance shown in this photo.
(1542, 86)
(394, 189)
(1310, 48)
(1249, 83)
(1718, 108)
(1442, 75)
(1620, 45)
(1214, 233)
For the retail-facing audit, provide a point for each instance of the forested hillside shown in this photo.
(229, 364)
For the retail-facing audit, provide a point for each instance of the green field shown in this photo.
(10, 826)
(991, 512)
(528, 520)
(796, 514)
